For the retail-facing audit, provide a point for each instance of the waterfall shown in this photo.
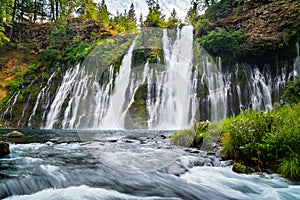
(261, 95)
(297, 62)
(170, 94)
(217, 86)
(115, 115)
(44, 95)
(10, 104)
(101, 99)
(62, 93)
(171, 98)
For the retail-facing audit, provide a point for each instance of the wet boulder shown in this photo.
(15, 134)
(4, 149)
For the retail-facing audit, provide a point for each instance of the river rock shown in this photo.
(15, 134)
(239, 168)
(4, 149)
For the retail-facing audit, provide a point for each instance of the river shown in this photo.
(66, 164)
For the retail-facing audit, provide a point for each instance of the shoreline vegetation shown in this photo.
(257, 141)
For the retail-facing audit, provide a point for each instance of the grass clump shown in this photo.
(193, 137)
(266, 140)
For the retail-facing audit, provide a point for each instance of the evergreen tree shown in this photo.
(89, 9)
(141, 20)
(5, 18)
(131, 14)
(173, 21)
(155, 18)
(103, 13)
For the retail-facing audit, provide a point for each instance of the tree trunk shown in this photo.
(13, 18)
(34, 12)
(57, 9)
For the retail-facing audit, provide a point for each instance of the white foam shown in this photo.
(80, 192)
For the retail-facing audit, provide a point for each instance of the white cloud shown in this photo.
(181, 6)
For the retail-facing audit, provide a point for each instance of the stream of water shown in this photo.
(65, 164)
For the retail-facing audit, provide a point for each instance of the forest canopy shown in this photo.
(49, 11)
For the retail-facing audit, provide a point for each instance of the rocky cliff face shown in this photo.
(38, 34)
(264, 23)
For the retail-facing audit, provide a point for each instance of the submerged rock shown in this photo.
(15, 134)
(4, 149)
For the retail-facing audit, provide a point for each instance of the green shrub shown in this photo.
(224, 43)
(266, 140)
(239, 168)
(291, 92)
(202, 27)
(218, 10)
(193, 137)
(50, 55)
(14, 84)
(290, 167)
(183, 138)
(77, 52)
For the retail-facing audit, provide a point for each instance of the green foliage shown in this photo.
(218, 10)
(137, 115)
(292, 33)
(103, 13)
(183, 138)
(5, 19)
(269, 140)
(15, 84)
(239, 168)
(50, 55)
(203, 27)
(77, 52)
(125, 21)
(3, 38)
(290, 166)
(58, 35)
(155, 18)
(193, 137)
(224, 43)
(173, 22)
(291, 92)
(89, 9)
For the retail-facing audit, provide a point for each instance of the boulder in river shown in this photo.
(4, 149)
(15, 134)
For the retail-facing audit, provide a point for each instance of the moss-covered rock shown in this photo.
(136, 117)
(239, 168)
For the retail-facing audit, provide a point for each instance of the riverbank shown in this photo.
(256, 141)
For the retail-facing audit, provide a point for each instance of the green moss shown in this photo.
(239, 168)
(136, 117)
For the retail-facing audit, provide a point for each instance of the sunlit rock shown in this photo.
(15, 134)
